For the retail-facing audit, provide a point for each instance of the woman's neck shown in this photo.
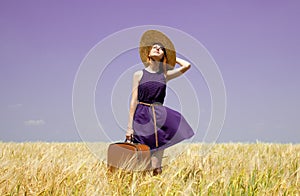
(154, 66)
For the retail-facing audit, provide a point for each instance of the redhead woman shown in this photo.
(150, 122)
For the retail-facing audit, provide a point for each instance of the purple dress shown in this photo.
(171, 125)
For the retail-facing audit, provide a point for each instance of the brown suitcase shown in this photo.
(128, 156)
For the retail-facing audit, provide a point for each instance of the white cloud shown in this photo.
(34, 122)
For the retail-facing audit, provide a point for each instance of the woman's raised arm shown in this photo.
(174, 73)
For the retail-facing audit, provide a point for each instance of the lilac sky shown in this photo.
(256, 45)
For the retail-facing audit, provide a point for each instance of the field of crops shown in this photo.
(221, 169)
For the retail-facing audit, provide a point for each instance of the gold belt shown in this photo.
(154, 118)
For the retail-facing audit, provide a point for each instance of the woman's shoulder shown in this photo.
(138, 75)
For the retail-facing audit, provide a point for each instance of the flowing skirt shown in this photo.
(172, 128)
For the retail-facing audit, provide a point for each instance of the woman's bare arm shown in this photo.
(174, 73)
(134, 101)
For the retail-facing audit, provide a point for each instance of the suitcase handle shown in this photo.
(129, 140)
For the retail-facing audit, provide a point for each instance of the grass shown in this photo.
(226, 169)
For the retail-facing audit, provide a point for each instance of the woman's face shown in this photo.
(156, 52)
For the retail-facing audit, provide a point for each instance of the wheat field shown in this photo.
(221, 169)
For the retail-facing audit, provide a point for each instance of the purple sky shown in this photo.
(256, 45)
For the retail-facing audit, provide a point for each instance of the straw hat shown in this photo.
(151, 37)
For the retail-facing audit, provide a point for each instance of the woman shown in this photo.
(150, 122)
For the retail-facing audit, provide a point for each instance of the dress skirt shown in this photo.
(172, 127)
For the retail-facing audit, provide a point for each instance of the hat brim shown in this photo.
(151, 37)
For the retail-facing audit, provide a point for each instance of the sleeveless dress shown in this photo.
(172, 128)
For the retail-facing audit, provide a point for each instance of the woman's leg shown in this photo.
(156, 161)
